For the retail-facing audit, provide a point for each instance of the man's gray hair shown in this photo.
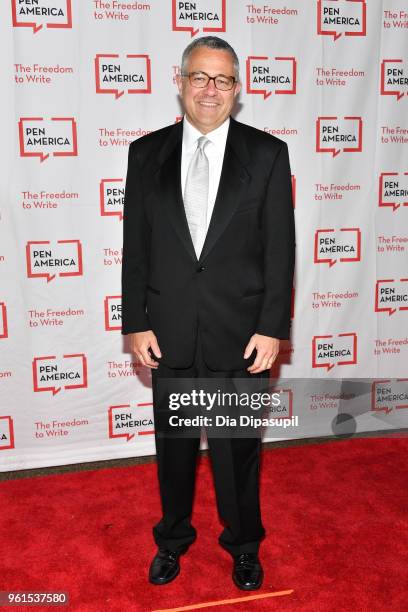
(212, 42)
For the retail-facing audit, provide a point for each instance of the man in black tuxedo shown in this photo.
(208, 258)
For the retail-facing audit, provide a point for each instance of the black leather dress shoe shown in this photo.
(248, 572)
(164, 567)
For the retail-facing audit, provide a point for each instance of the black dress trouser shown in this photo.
(235, 463)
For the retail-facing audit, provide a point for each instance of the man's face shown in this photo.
(208, 107)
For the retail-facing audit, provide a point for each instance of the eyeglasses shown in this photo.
(201, 80)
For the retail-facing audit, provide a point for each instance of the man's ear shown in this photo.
(238, 88)
(179, 83)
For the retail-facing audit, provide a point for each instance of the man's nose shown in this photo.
(211, 88)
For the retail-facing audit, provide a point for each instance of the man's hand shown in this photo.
(140, 342)
(267, 350)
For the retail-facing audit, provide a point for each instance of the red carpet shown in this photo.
(335, 514)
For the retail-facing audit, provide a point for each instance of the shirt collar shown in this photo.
(191, 134)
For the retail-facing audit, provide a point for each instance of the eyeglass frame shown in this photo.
(210, 78)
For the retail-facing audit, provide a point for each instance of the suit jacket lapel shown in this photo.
(169, 179)
(232, 188)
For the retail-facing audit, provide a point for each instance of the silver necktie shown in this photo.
(196, 195)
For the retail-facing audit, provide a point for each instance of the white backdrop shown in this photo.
(80, 80)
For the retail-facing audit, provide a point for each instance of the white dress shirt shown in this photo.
(215, 154)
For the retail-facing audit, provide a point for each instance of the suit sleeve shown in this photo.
(278, 235)
(136, 250)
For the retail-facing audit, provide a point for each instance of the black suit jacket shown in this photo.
(242, 282)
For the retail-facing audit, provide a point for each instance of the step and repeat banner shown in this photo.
(81, 79)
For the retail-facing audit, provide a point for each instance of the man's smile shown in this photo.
(208, 104)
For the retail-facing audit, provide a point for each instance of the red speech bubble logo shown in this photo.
(333, 129)
(331, 242)
(57, 262)
(389, 188)
(348, 13)
(26, 128)
(258, 70)
(334, 351)
(113, 312)
(111, 198)
(185, 16)
(47, 367)
(393, 74)
(3, 320)
(286, 404)
(6, 432)
(36, 15)
(384, 288)
(116, 70)
(126, 415)
(388, 395)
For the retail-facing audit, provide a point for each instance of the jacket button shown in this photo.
(201, 269)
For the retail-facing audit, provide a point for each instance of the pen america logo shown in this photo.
(394, 78)
(126, 421)
(393, 192)
(204, 15)
(3, 321)
(389, 395)
(334, 135)
(37, 14)
(284, 410)
(266, 75)
(329, 351)
(113, 312)
(46, 259)
(52, 373)
(6, 432)
(40, 137)
(111, 197)
(341, 17)
(391, 295)
(115, 74)
(343, 245)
